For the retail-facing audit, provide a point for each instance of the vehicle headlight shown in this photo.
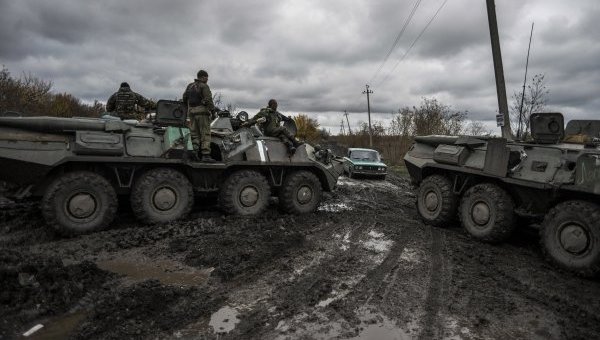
(382, 169)
(359, 168)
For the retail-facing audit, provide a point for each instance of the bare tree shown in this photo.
(434, 118)
(476, 128)
(534, 100)
(402, 123)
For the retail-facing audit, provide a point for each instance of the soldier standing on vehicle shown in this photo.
(124, 101)
(198, 98)
(272, 127)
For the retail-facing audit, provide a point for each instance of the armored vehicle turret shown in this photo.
(490, 182)
(78, 167)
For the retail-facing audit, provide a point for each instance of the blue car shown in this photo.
(364, 162)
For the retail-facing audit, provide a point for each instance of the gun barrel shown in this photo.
(53, 124)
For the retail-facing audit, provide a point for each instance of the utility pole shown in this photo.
(347, 121)
(367, 91)
(498, 70)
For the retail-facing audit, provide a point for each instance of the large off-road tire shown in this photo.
(300, 193)
(245, 192)
(351, 172)
(487, 213)
(79, 202)
(570, 237)
(161, 195)
(436, 201)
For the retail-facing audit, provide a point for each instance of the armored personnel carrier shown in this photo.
(78, 167)
(491, 182)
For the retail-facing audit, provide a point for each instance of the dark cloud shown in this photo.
(314, 56)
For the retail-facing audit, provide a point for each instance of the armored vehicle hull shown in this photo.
(490, 184)
(79, 166)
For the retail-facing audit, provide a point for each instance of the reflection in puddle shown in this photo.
(378, 326)
(167, 272)
(224, 320)
(60, 327)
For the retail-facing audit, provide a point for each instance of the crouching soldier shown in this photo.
(272, 119)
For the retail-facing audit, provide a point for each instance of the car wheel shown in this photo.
(487, 213)
(79, 202)
(436, 201)
(300, 193)
(570, 237)
(245, 192)
(161, 195)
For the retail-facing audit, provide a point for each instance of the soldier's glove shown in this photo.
(261, 120)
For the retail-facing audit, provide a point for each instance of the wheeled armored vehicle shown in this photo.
(493, 184)
(78, 167)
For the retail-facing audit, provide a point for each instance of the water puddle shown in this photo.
(375, 325)
(59, 327)
(166, 271)
(224, 320)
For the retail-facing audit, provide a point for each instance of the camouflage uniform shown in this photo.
(272, 125)
(198, 98)
(123, 103)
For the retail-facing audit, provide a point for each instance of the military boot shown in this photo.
(291, 148)
(192, 155)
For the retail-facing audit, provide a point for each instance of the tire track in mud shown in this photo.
(576, 312)
(432, 326)
(383, 276)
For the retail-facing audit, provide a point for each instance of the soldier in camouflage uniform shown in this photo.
(124, 101)
(198, 98)
(272, 125)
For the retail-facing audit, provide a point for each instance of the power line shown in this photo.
(406, 22)
(414, 42)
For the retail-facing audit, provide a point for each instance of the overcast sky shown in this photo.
(313, 56)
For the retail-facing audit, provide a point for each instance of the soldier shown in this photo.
(198, 98)
(124, 101)
(272, 127)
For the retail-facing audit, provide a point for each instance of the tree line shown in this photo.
(31, 96)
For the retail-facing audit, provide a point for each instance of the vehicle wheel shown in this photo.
(161, 195)
(436, 201)
(301, 193)
(245, 192)
(487, 213)
(570, 237)
(79, 202)
(350, 172)
(381, 177)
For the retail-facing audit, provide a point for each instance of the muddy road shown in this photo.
(362, 267)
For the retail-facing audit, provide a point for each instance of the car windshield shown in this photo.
(365, 155)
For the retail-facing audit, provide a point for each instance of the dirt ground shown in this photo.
(362, 267)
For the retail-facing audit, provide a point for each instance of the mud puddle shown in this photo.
(58, 328)
(375, 325)
(166, 271)
(224, 320)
